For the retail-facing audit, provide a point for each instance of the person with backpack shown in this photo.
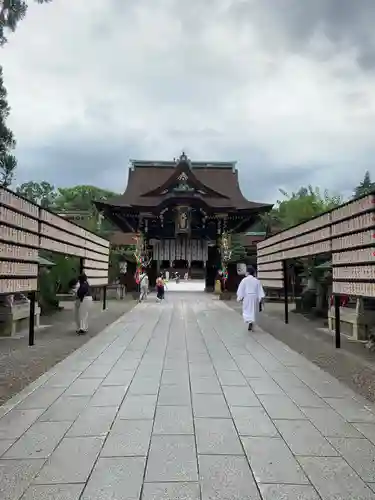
(83, 304)
(143, 285)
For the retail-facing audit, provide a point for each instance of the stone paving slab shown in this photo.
(179, 401)
(20, 365)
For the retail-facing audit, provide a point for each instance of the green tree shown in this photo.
(8, 162)
(365, 186)
(299, 207)
(270, 222)
(66, 269)
(303, 205)
(80, 199)
(238, 250)
(42, 193)
(11, 12)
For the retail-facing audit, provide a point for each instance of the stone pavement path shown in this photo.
(20, 365)
(177, 401)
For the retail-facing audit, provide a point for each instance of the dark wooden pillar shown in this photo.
(337, 321)
(104, 298)
(286, 294)
(32, 298)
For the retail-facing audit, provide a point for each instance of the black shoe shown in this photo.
(250, 327)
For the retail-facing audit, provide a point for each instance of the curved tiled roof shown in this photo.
(221, 179)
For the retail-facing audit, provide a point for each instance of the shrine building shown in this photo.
(182, 209)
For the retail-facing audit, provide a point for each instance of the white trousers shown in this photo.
(81, 311)
(144, 292)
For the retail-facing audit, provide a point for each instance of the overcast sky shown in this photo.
(285, 87)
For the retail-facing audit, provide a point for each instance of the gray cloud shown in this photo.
(347, 23)
(282, 86)
(67, 161)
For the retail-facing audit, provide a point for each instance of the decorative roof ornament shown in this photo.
(182, 177)
(184, 160)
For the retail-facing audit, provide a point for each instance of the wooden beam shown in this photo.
(124, 219)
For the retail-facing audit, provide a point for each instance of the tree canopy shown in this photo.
(8, 162)
(298, 207)
(69, 200)
(365, 186)
(237, 248)
(42, 193)
(80, 197)
(11, 12)
(76, 198)
(306, 203)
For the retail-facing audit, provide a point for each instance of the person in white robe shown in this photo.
(250, 292)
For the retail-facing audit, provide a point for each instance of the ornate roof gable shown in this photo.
(183, 181)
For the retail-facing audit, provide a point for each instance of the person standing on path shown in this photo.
(160, 287)
(83, 304)
(143, 284)
(250, 292)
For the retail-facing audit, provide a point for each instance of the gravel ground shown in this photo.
(352, 364)
(20, 364)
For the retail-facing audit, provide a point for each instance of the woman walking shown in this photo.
(83, 304)
(160, 287)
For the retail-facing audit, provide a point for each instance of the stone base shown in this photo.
(16, 319)
(116, 292)
(353, 322)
